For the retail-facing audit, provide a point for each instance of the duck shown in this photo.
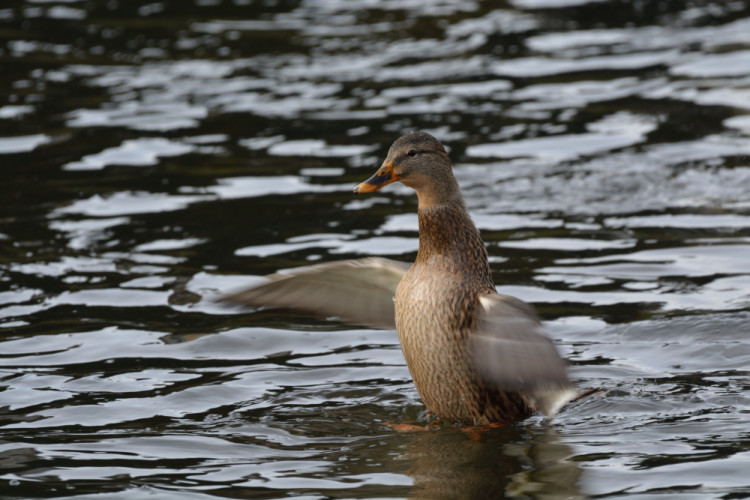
(476, 356)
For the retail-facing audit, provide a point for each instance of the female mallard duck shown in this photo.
(476, 356)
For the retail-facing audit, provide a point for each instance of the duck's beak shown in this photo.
(384, 176)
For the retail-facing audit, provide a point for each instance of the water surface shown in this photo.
(156, 155)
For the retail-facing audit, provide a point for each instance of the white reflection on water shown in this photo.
(612, 132)
(716, 222)
(127, 203)
(84, 233)
(146, 116)
(567, 244)
(340, 244)
(542, 66)
(713, 92)
(319, 241)
(550, 96)
(740, 123)
(15, 111)
(550, 4)
(714, 65)
(690, 261)
(161, 245)
(248, 187)
(135, 153)
(316, 147)
(22, 144)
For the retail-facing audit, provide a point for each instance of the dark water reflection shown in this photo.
(157, 154)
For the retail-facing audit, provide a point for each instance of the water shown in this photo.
(157, 155)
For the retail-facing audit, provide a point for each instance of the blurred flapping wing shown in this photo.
(359, 291)
(511, 350)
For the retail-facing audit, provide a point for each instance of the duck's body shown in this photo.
(475, 356)
(436, 305)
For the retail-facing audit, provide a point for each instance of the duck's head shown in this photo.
(419, 161)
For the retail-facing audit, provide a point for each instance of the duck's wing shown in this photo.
(359, 291)
(511, 350)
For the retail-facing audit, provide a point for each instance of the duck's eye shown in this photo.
(412, 153)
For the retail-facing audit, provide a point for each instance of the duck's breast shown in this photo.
(434, 312)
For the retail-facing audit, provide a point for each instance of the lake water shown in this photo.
(156, 155)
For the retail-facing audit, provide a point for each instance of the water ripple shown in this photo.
(156, 156)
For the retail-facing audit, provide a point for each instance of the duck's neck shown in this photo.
(448, 238)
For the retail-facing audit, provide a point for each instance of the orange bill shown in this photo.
(382, 177)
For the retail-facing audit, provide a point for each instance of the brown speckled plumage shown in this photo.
(475, 356)
(435, 316)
